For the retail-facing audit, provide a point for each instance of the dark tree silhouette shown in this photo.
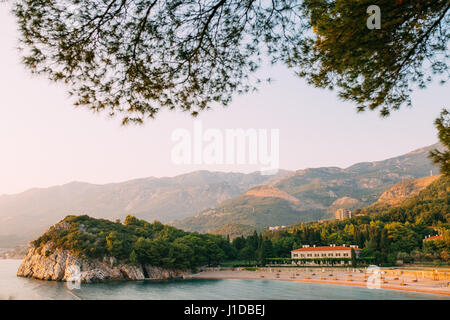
(134, 58)
(443, 157)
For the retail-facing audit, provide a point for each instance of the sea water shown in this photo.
(13, 287)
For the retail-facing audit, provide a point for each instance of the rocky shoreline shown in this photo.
(46, 263)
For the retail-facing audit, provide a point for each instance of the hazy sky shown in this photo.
(45, 141)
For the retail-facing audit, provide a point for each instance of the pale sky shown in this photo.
(45, 141)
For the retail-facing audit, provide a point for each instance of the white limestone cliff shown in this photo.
(46, 263)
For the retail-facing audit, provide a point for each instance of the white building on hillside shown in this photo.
(342, 214)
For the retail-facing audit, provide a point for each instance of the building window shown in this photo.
(345, 254)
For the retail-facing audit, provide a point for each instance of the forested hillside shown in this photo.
(386, 235)
(313, 194)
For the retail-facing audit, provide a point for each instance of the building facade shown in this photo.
(342, 214)
(326, 252)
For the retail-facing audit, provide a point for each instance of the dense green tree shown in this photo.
(239, 243)
(130, 220)
(443, 157)
(117, 245)
(136, 57)
(247, 254)
(265, 251)
(353, 258)
(199, 247)
(253, 241)
(229, 250)
(214, 253)
(374, 67)
(180, 256)
(133, 258)
(282, 247)
(149, 252)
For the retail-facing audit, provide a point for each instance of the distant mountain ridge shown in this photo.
(209, 200)
(312, 194)
(151, 198)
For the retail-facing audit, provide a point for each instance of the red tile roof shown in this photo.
(434, 238)
(327, 248)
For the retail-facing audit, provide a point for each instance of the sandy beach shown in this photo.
(423, 281)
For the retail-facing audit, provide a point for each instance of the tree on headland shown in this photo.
(134, 58)
(117, 245)
(133, 258)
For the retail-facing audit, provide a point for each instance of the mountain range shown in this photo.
(215, 202)
(310, 194)
(26, 215)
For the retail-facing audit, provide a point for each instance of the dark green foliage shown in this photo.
(133, 258)
(353, 258)
(137, 242)
(443, 157)
(137, 57)
(373, 68)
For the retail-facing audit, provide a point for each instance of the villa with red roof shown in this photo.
(432, 238)
(331, 251)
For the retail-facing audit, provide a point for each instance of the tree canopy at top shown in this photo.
(134, 57)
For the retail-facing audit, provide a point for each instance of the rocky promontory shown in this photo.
(85, 249)
(62, 265)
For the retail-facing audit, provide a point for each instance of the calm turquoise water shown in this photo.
(12, 287)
